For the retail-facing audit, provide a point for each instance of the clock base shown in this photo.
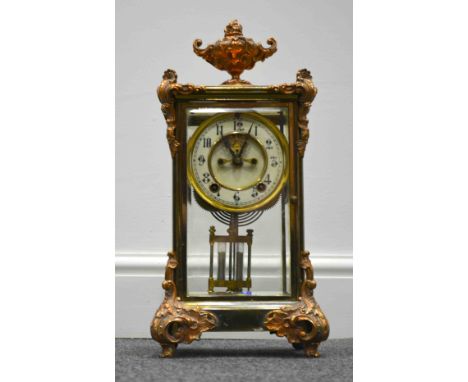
(302, 323)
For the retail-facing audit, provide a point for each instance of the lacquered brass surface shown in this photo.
(234, 53)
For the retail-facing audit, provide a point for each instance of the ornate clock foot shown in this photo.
(310, 350)
(303, 323)
(174, 322)
(168, 350)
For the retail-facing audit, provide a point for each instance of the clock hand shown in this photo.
(253, 161)
(250, 129)
(233, 148)
(245, 142)
(228, 145)
(243, 145)
(222, 161)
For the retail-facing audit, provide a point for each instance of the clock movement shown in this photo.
(238, 261)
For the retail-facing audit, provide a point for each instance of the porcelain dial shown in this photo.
(238, 161)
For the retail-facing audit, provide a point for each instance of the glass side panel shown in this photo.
(234, 161)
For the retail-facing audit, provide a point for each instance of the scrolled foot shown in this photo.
(168, 350)
(310, 350)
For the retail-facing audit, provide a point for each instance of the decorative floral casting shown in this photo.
(174, 322)
(304, 322)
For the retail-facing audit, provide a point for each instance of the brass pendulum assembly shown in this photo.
(235, 244)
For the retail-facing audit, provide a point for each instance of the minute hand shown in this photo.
(245, 143)
(248, 135)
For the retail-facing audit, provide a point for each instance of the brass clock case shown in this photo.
(293, 313)
(272, 197)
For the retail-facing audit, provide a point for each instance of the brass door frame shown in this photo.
(223, 97)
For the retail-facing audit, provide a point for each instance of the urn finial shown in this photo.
(234, 53)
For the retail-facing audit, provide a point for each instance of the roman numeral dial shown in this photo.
(238, 161)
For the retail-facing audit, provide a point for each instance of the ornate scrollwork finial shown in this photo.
(234, 53)
(233, 29)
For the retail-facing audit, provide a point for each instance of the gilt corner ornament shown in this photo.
(234, 53)
(167, 91)
(173, 322)
(303, 324)
(305, 89)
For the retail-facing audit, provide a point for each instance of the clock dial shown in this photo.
(238, 161)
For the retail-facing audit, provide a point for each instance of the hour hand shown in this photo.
(253, 161)
(223, 161)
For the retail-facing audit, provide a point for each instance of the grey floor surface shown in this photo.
(233, 360)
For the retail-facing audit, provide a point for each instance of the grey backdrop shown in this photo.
(154, 35)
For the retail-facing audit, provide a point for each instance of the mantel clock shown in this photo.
(238, 261)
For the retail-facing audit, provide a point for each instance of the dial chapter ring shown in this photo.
(205, 196)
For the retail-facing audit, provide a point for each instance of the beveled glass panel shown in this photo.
(244, 254)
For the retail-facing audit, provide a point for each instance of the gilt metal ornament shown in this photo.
(167, 91)
(173, 322)
(305, 88)
(304, 322)
(234, 53)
